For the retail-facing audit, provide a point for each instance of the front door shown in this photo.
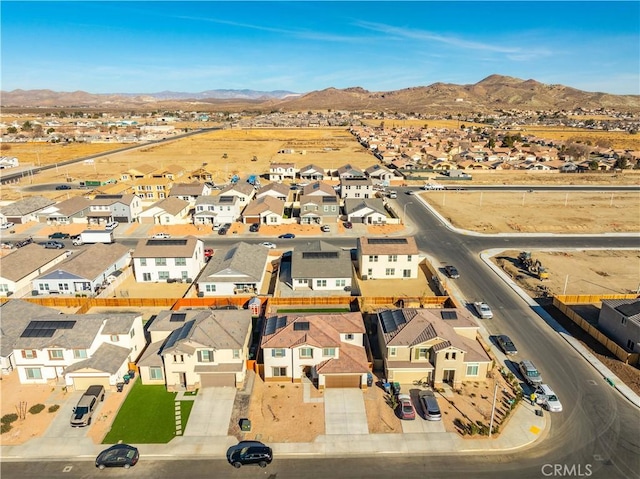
(448, 375)
(182, 379)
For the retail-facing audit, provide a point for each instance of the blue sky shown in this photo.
(145, 47)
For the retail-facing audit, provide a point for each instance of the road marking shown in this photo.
(534, 430)
(67, 468)
(592, 382)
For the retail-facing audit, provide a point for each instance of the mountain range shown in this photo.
(492, 93)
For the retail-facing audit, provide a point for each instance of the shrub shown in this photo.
(54, 408)
(9, 418)
(36, 408)
(5, 427)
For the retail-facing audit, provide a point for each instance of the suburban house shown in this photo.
(202, 174)
(16, 314)
(138, 172)
(379, 174)
(170, 211)
(197, 348)
(318, 188)
(348, 171)
(123, 208)
(275, 190)
(369, 211)
(282, 171)
(327, 349)
(266, 210)
(72, 210)
(356, 188)
(240, 270)
(23, 265)
(189, 191)
(84, 272)
(620, 320)
(78, 350)
(311, 173)
(388, 258)
(318, 209)
(217, 210)
(322, 267)
(244, 191)
(25, 210)
(152, 188)
(164, 259)
(173, 172)
(429, 344)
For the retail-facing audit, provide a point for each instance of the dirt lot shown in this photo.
(538, 212)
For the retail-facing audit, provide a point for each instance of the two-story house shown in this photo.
(388, 257)
(276, 190)
(189, 191)
(348, 171)
(170, 211)
(319, 209)
(321, 267)
(620, 320)
(429, 344)
(328, 349)
(311, 173)
(197, 348)
(282, 171)
(265, 210)
(123, 208)
(217, 210)
(153, 189)
(379, 174)
(164, 259)
(244, 191)
(358, 188)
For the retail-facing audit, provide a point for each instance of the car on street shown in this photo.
(530, 373)
(506, 344)
(325, 228)
(24, 242)
(430, 406)
(249, 452)
(452, 271)
(348, 225)
(287, 236)
(59, 235)
(254, 228)
(405, 407)
(119, 455)
(63, 187)
(222, 231)
(53, 245)
(483, 310)
(208, 253)
(6, 226)
(161, 236)
(111, 225)
(546, 398)
(269, 245)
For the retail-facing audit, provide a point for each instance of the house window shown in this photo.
(624, 321)
(349, 337)
(408, 257)
(143, 261)
(393, 352)
(161, 261)
(132, 333)
(56, 354)
(390, 271)
(44, 287)
(113, 338)
(321, 283)
(341, 282)
(149, 195)
(373, 258)
(210, 288)
(422, 353)
(178, 358)
(63, 287)
(163, 275)
(33, 373)
(279, 372)
(29, 354)
(393, 258)
(630, 344)
(205, 356)
(146, 276)
(306, 353)
(331, 352)
(472, 369)
(181, 261)
(79, 354)
(155, 372)
(406, 273)
(453, 355)
(236, 354)
(278, 353)
(4, 288)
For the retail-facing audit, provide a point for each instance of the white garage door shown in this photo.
(83, 382)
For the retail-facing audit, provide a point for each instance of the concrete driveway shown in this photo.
(211, 412)
(344, 411)
(61, 427)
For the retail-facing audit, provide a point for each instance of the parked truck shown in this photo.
(81, 415)
(93, 236)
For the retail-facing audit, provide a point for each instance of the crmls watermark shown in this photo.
(566, 470)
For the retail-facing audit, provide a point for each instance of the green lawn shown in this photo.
(147, 416)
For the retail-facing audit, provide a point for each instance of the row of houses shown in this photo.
(197, 348)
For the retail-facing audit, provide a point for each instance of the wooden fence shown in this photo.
(560, 302)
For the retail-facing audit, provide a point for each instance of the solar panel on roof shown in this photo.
(630, 309)
(45, 329)
(175, 317)
(166, 242)
(387, 241)
(448, 315)
(226, 199)
(320, 255)
(108, 197)
(301, 326)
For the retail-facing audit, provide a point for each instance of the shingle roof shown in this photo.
(15, 315)
(239, 262)
(90, 262)
(171, 205)
(351, 205)
(264, 204)
(26, 260)
(377, 245)
(156, 248)
(108, 358)
(26, 206)
(318, 259)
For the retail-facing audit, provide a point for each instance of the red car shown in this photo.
(406, 409)
(208, 253)
(348, 225)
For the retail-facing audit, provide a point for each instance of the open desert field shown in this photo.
(576, 212)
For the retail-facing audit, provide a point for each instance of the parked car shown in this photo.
(254, 228)
(430, 406)
(506, 344)
(24, 242)
(53, 245)
(249, 452)
(59, 235)
(405, 408)
(63, 187)
(412, 192)
(287, 236)
(161, 236)
(222, 231)
(530, 373)
(266, 244)
(325, 228)
(111, 225)
(483, 310)
(546, 398)
(348, 225)
(6, 226)
(119, 455)
(452, 271)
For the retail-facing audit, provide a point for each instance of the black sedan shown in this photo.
(249, 452)
(452, 272)
(287, 236)
(119, 455)
(506, 344)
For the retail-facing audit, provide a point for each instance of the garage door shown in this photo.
(342, 381)
(82, 383)
(214, 380)
(408, 377)
(252, 219)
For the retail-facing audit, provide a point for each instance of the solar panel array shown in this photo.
(387, 241)
(166, 242)
(108, 197)
(630, 309)
(448, 315)
(301, 326)
(178, 317)
(45, 329)
(274, 323)
(320, 254)
(391, 319)
(225, 199)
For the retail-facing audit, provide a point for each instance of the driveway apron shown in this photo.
(344, 411)
(211, 412)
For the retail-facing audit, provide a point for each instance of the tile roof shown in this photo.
(264, 204)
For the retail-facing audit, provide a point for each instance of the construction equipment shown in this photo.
(532, 266)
